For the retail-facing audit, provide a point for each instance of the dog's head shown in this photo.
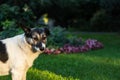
(36, 37)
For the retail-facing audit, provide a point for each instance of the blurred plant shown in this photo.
(58, 37)
(10, 15)
(76, 41)
(9, 29)
(8, 12)
(100, 21)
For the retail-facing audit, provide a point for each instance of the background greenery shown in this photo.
(85, 15)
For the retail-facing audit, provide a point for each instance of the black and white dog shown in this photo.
(18, 53)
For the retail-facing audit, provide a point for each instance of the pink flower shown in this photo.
(57, 52)
(52, 50)
(47, 51)
(61, 49)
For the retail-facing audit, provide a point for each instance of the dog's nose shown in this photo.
(42, 48)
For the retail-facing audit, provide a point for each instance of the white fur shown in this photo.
(20, 57)
(43, 45)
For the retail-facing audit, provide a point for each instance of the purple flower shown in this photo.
(93, 44)
(90, 44)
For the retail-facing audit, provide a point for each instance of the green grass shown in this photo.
(101, 64)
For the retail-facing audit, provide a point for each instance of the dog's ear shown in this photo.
(27, 30)
(21, 24)
(47, 31)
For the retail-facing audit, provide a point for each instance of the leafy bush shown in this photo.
(8, 12)
(100, 20)
(59, 43)
(76, 41)
(10, 15)
(9, 29)
(58, 37)
(16, 13)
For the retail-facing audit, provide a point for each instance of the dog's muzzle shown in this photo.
(39, 47)
(43, 47)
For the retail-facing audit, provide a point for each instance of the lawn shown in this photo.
(101, 64)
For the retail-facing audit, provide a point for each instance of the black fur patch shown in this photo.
(3, 52)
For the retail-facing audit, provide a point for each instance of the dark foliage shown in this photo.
(88, 15)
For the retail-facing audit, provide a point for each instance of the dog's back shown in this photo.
(8, 49)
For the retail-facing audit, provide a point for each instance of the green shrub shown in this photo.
(8, 12)
(10, 15)
(9, 29)
(17, 13)
(58, 37)
(74, 41)
(100, 21)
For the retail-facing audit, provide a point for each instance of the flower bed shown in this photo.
(90, 44)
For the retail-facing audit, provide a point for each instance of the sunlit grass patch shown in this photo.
(36, 74)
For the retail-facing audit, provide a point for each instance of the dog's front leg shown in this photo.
(17, 74)
(24, 76)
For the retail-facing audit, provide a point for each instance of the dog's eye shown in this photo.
(44, 38)
(35, 38)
